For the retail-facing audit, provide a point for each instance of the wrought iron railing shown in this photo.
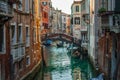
(5, 8)
(18, 52)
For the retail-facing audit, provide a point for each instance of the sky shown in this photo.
(64, 5)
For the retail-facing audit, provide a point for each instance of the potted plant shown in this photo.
(101, 10)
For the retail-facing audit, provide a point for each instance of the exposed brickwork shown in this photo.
(33, 51)
(105, 50)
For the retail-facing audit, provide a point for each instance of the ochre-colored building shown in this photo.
(68, 24)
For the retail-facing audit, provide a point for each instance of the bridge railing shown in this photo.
(62, 36)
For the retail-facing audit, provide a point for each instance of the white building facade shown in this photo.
(57, 21)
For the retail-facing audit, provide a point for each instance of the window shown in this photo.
(65, 26)
(20, 5)
(27, 36)
(20, 64)
(28, 60)
(64, 19)
(16, 53)
(15, 68)
(44, 3)
(12, 33)
(45, 15)
(2, 36)
(14, 6)
(27, 6)
(33, 7)
(77, 20)
(77, 8)
(83, 7)
(19, 33)
(34, 34)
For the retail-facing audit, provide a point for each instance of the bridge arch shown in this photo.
(64, 37)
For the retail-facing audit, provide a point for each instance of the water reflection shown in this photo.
(61, 67)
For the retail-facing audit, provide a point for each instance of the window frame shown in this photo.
(28, 63)
(77, 20)
(77, 8)
(20, 36)
(20, 7)
(13, 40)
(44, 3)
(27, 36)
(3, 51)
(27, 6)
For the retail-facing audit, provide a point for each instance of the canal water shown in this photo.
(60, 66)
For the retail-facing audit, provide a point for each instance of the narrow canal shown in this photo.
(60, 66)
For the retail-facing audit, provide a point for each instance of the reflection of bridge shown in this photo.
(69, 39)
(62, 37)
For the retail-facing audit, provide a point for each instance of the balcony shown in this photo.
(83, 28)
(107, 13)
(13, 1)
(111, 23)
(84, 43)
(113, 28)
(109, 8)
(17, 52)
(6, 11)
(105, 26)
(86, 18)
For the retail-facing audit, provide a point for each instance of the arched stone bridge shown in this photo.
(62, 37)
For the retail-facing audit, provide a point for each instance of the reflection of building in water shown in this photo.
(76, 74)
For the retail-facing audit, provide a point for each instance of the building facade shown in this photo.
(109, 39)
(76, 19)
(64, 20)
(65, 23)
(93, 32)
(68, 24)
(25, 39)
(6, 14)
(57, 21)
(85, 23)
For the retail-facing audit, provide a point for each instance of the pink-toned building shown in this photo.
(45, 16)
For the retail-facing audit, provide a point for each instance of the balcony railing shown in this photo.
(105, 26)
(18, 52)
(83, 28)
(5, 9)
(114, 28)
(13, 1)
